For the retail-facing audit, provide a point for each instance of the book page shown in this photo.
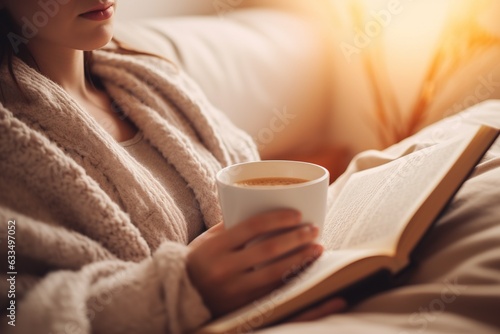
(265, 307)
(328, 262)
(376, 204)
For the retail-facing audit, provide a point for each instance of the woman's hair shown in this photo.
(8, 31)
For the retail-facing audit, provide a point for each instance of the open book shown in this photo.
(379, 217)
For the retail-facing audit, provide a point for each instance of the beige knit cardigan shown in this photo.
(97, 251)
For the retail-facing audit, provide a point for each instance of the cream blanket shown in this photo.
(96, 249)
(454, 285)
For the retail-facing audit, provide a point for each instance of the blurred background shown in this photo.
(383, 69)
(133, 9)
(400, 65)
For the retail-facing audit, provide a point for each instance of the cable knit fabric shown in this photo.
(99, 248)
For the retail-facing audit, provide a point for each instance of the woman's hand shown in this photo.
(230, 272)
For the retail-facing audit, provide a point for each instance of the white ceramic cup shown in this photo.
(240, 203)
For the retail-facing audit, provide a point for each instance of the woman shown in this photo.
(109, 161)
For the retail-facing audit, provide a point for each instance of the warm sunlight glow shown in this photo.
(420, 44)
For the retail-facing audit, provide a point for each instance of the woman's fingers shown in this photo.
(223, 246)
(263, 280)
(234, 238)
(273, 247)
(257, 226)
(283, 269)
(232, 267)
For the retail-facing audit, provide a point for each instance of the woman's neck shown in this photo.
(63, 66)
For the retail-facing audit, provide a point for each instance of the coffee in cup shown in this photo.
(270, 181)
(251, 188)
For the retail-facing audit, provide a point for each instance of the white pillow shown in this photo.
(263, 68)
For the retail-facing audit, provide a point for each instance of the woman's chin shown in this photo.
(97, 43)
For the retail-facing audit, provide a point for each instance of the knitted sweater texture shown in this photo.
(99, 248)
